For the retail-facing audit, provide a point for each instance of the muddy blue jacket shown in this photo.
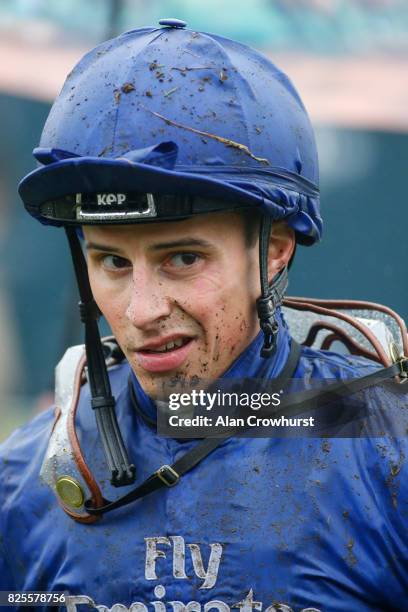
(259, 524)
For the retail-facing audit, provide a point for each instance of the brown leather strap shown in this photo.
(360, 305)
(83, 468)
(363, 329)
(340, 334)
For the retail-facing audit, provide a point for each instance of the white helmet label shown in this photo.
(100, 207)
(109, 199)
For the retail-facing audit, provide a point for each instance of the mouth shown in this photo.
(164, 354)
(171, 345)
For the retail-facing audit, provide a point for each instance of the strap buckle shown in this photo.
(403, 365)
(400, 360)
(168, 475)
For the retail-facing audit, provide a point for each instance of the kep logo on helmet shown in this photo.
(108, 199)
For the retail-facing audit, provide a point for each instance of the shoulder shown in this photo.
(328, 364)
(21, 457)
(22, 496)
(375, 419)
(387, 398)
(25, 446)
(23, 453)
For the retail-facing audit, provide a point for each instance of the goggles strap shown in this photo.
(271, 295)
(102, 401)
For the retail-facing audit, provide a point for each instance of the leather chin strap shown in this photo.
(103, 403)
(271, 295)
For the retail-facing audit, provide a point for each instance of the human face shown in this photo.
(192, 283)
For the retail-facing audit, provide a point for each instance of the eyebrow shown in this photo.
(102, 247)
(185, 242)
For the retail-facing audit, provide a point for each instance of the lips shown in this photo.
(164, 354)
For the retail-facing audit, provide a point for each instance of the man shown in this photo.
(187, 164)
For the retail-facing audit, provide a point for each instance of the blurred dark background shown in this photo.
(349, 61)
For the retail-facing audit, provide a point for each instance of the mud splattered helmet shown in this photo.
(165, 123)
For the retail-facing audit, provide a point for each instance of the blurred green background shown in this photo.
(349, 58)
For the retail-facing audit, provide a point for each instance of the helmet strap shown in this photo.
(102, 401)
(271, 295)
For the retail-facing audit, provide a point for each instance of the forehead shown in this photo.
(213, 227)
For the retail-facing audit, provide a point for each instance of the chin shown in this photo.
(160, 385)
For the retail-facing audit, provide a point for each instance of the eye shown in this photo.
(183, 260)
(114, 262)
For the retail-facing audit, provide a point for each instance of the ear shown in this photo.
(281, 246)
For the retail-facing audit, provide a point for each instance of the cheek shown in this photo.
(110, 298)
(206, 296)
(226, 309)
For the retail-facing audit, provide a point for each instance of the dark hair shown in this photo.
(252, 220)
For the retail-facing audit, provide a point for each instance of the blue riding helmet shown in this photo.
(171, 111)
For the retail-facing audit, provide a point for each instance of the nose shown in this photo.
(148, 302)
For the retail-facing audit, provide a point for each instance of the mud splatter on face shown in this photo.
(204, 294)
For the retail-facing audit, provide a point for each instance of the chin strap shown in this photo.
(103, 403)
(271, 295)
